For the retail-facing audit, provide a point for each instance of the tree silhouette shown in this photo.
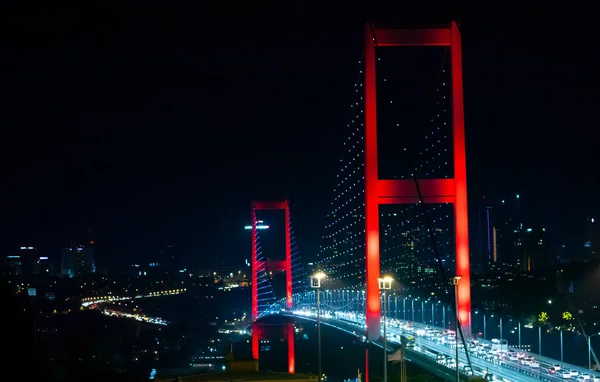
(20, 332)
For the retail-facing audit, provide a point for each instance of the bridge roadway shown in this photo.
(424, 361)
(502, 369)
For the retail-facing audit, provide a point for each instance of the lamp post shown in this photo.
(385, 283)
(454, 281)
(561, 346)
(315, 282)
(500, 334)
(540, 339)
(484, 327)
(590, 350)
(444, 316)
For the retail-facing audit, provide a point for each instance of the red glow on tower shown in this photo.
(257, 334)
(291, 332)
(262, 331)
(378, 191)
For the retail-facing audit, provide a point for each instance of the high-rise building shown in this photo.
(532, 248)
(29, 258)
(506, 221)
(485, 235)
(494, 244)
(84, 260)
(78, 260)
(168, 259)
(67, 265)
(12, 265)
(43, 266)
(591, 241)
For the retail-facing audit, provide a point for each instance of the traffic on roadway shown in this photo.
(491, 359)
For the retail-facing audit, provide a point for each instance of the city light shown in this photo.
(385, 283)
(135, 316)
(257, 227)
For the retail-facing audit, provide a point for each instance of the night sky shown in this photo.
(159, 126)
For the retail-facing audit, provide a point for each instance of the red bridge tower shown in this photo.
(380, 191)
(259, 329)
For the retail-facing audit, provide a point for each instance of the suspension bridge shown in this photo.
(406, 218)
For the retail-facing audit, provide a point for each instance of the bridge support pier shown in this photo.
(366, 364)
(287, 331)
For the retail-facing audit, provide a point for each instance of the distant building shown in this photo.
(155, 272)
(12, 265)
(78, 260)
(67, 264)
(29, 259)
(168, 259)
(532, 248)
(562, 255)
(485, 235)
(85, 262)
(505, 227)
(591, 241)
(43, 266)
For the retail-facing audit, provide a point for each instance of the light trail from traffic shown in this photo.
(135, 316)
(87, 301)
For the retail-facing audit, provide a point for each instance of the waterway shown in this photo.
(343, 355)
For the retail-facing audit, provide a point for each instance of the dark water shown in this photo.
(194, 319)
(199, 307)
(343, 355)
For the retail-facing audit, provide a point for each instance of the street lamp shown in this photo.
(484, 327)
(590, 350)
(385, 283)
(315, 282)
(454, 282)
(561, 345)
(501, 334)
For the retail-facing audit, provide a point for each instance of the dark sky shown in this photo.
(159, 126)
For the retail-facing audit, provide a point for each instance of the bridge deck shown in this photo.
(426, 350)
